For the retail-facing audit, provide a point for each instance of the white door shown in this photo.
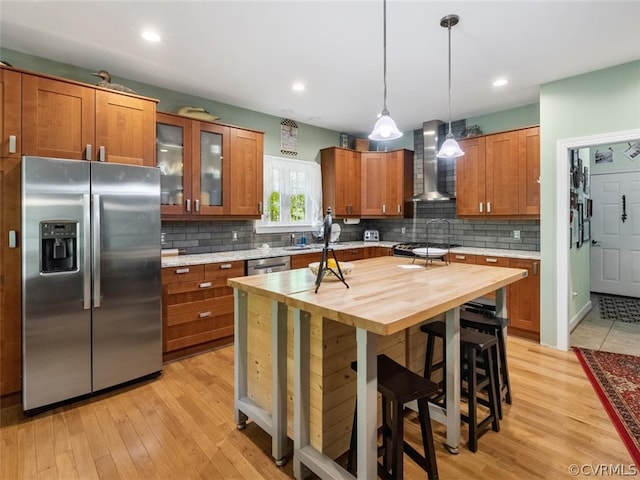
(615, 251)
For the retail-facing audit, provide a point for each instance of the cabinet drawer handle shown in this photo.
(181, 270)
(87, 152)
(461, 257)
(384, 209)
(196, 204)
(102, 154)
(205, 285)
(481, 207)
(12, 144)
(225, 266)
(188, 204)
(491, 260)
(204, 314)
(399, 209)
(488, 207)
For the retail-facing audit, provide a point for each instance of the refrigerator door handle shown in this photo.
(95, 219)
(86, 265)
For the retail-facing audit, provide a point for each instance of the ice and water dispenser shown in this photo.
(59, 247)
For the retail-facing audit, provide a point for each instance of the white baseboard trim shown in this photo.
(580, 315)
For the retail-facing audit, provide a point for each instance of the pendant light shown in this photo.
(385, 128)
(450, 148)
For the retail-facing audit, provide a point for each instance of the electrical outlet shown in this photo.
(403, 230)
(234, 236)
(516, 234)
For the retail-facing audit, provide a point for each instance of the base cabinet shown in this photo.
(197, 307)
(523, 296)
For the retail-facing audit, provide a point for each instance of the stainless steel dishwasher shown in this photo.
(268, 265)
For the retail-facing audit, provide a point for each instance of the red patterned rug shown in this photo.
(616, 380)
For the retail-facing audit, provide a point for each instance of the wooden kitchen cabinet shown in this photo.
(341, 181)
(366, 184)
(66, 119)
(208, 169)
(10, 258)
(387, 179)
(11, 114)
(523, 300)
(302, 260)
(197, 307)
(498, 175)
(523, 296)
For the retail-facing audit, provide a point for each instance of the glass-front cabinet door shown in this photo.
(210, 167)
(173, 154)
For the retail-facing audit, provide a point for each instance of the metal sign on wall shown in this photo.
(289, 137)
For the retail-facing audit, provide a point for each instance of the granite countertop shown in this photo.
(236, 255)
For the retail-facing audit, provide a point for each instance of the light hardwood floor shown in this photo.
(181, 426)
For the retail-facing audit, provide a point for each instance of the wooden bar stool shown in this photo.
(494, 326)
(398, 386)
(478, 375)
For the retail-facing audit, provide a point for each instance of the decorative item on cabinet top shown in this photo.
(106, 82)
(198, 113)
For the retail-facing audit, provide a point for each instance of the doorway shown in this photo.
(562, 237)
(615, 233)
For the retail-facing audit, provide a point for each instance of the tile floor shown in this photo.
(607, 335)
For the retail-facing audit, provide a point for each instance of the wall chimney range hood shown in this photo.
(430, 191)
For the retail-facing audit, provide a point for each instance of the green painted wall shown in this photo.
(310, 139)
(513, 118)
(599, 102)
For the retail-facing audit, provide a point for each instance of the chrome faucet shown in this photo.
(293, 239)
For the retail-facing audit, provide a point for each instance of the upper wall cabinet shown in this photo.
(341, 174)
(65, 119)
(11, 114)
(499, 175)
(366, 184)
(208, 169)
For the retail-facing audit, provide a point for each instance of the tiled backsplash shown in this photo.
(206, 237)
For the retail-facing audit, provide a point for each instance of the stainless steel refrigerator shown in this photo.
(91, 285)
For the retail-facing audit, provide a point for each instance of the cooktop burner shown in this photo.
(406, 249)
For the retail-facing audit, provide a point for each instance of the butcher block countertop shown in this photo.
(385, 294)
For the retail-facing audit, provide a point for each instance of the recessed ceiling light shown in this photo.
(501, 82)
(151, 36)
(298, 87)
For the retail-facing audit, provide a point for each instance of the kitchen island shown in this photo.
(386, 296)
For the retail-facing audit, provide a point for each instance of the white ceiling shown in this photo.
(248, 53)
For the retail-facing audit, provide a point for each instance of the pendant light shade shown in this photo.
(450, 148)
(385, 128)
